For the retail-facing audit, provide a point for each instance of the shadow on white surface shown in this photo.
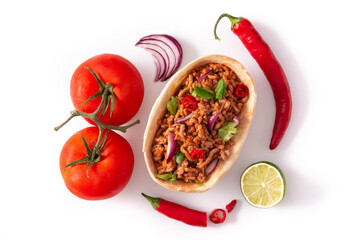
(300, 191)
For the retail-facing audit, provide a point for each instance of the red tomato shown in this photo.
(121, 74)
(107, 177)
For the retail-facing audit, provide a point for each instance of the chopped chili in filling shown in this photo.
(199, 143)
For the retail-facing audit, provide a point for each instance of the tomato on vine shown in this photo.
(96, 163)
(125, 97)
(106, 174)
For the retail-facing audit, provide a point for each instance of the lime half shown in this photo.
(263, 184)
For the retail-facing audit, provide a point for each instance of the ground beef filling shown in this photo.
(193, 133)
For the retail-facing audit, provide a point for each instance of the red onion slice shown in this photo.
(236, 120)
(160, 54)
(212, 166)
(204, 75)
(171, 148)
(160, 63)
(171, 56)
(184, 118)
(170, 50)
(171, 42)
(212, 120)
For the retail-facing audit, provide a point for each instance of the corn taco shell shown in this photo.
(159, 109)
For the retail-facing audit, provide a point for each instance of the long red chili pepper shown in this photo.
(272, 69)
(178, 212)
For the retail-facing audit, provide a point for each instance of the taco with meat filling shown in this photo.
(199, 124)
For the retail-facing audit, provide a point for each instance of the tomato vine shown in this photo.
(93, 155)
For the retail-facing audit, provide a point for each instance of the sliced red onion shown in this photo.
(204, 75)
(212, 120)
(159, 55)
(184, 118)
(212, 166)
(160, 63)
(236, 120)
(171, 148)
(170, 50)
(172, 43)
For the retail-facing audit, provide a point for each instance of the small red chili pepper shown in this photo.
(217, 216)
(231, 206)
(178, 212)
(197, 153)
(190, 103)
(241, 91)
(272, 69)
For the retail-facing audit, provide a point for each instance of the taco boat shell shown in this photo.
(159, 109)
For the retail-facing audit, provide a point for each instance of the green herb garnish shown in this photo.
(203, 92)
(220, 89)
(166, 176)
(227, 131)
(172, 105)
(179, 157)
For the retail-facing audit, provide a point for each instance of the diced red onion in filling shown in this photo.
(236, 120)
(184, 118)
(212, 120)
(204, 75)
(171, 148)
(211, 167)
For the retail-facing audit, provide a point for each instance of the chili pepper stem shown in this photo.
(153, 201)
(233, 20)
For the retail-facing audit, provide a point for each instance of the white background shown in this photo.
(317, 43)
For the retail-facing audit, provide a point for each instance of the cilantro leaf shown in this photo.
(166, 176)
(179, 157)
(172, 105)
(227, 131)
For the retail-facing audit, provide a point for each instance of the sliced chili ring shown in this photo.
(217, 216)
(197, 153)
(190, 103)
(241, 91)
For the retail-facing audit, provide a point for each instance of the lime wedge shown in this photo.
(263, 184)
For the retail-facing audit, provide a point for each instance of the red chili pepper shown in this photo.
(272, 69)
(190, 103)
(197, 153)
(241, 91)
(218, 216)
(231, 206)
(178, 212)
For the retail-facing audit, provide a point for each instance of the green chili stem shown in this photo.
(233, 20)
(153, 201)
